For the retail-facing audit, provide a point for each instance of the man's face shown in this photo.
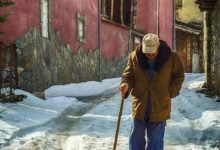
(152, 56)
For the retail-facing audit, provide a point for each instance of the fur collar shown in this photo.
(163, 55)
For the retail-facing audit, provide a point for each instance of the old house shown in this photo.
(211, 26)
(188, 29)
(69, 41)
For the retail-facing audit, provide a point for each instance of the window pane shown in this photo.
(179, 3)
(80, 29)
(137, 40)
(108, 8)
(127, 12)
(117, 11)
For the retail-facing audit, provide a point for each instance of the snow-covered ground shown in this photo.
(70, 120)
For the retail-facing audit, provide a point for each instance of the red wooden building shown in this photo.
(110, 27)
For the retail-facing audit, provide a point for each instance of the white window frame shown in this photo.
(80, 28)
(44, 18)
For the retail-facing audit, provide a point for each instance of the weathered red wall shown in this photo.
(63, 19)
(115, 40)
(63, 16)
(25, 15)
(147, 18)
(166, 21)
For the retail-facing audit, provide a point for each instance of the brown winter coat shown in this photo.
(165, 84)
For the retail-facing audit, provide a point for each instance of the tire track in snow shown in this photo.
(56, 130)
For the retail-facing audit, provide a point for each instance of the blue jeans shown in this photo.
(153, 130)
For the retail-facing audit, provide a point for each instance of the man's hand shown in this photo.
(123, 89)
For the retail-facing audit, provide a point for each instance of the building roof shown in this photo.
(206, 5)
(189, 28)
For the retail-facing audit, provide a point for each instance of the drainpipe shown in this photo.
(99, 37)
(174, 22)
(158, 17)
(1, 66)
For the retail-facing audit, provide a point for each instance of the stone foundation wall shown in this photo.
(47, 62)
(215, 48)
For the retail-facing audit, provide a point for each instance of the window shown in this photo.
(179, 3)
(81, 28)
(120, 11)
(44, 18)
(136, 38)
(136, 41)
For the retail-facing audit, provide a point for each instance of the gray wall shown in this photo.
(47, 62)
(215, 48)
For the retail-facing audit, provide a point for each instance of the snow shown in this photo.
(63, 121)
(89, 88)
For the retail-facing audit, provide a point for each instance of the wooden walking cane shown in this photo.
(118, 123)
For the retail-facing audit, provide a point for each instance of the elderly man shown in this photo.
(153, 75)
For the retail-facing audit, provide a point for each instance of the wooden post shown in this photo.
(186, 46)
(104, 7)
(122, 12)
(209, 52)
(99, 37)
(132, 14)
(1, 66)
(10, 67)
(207, 48)
(191, 53)
(15, 64)
(112, 9)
